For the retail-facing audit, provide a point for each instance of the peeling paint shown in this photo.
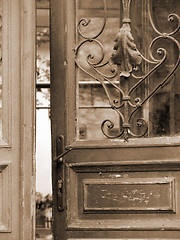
(134, 195)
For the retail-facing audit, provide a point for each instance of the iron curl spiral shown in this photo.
(108, 124)
(84, 22)
(141, 123)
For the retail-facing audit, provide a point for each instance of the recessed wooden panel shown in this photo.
(119, 197)
(132, 195)
(5, 198)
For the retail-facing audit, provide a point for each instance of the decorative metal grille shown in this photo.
(126, 58)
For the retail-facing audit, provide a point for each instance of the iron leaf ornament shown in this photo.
(126, 55)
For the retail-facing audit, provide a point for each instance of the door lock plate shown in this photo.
(60, 172)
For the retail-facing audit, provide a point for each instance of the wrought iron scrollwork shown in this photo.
(126, 57)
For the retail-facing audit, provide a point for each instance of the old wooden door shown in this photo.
(115, 119)
(17, 87)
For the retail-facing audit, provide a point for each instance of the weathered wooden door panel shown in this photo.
(117, 174)
(119, 197)
(17, 21)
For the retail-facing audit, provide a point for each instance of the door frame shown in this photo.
(27, 21)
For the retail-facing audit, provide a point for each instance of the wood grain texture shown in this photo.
(91, 209)
(27, 119)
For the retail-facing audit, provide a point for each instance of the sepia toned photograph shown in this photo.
(90, 119)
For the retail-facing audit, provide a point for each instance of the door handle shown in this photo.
(60, 169)
(58, 159)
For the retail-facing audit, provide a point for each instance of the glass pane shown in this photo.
(93, 104)
(127, 73)
(164, 106)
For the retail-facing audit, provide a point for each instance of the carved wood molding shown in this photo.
(85, 178)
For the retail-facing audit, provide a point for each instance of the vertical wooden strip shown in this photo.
(57, 89)
(27, 170)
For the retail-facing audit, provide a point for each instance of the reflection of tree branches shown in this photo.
(44, 98)
(42, 36)
(43, 69)
(43, 75)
